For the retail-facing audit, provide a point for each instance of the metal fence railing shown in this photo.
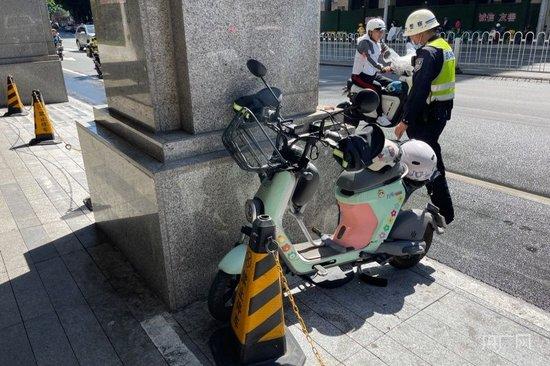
(480, 50)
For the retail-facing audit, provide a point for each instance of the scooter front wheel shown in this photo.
(412, 260)
(221, 295)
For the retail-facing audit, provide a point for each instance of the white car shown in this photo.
(84, 34)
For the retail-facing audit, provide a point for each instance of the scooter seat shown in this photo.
(365, 179)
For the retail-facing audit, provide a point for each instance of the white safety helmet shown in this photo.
(420, 21)
(375, 23)
(420, 159)
(389, 156)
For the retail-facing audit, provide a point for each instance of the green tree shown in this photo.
(79, 9)
(52, 6)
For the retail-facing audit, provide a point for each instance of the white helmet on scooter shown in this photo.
(375, 23)
(388, 157)
(420, 159)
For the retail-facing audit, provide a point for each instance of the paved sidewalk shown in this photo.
(68, 297)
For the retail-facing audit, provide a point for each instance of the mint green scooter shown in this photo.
(372, 226)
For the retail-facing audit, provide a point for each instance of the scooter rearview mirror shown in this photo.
(256, 68)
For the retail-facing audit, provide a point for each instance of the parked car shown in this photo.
(84, 34)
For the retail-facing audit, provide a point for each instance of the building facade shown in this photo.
(517, 15)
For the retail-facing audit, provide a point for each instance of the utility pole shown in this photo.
(386, 3)
(542, 15)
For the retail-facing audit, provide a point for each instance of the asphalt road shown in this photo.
(499, 133)
(80, 76)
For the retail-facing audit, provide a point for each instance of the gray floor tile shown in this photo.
(425, 347)
(14, 347)
(127, 336)
(328, 359)
(363, 358)
(38, 242)
(9, 312)
(86, 336)
(107, 257)
(455, 341)
(491, 330)
(354, 296)
(90, 344)
(330, 338)
(335, 313)
(59, 284)
(31, 296)
(393, 353)
(197, 322)
(90, 236)
(49, 342)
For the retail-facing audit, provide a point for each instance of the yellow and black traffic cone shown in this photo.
(15, 106)
(257, 333)
(43, 127)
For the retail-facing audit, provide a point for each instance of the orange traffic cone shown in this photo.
(43, 127)
(15, 106)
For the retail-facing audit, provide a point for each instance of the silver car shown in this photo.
(84, 34)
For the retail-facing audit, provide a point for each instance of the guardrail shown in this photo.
(477, 50)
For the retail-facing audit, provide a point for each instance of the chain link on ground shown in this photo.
(286, 288)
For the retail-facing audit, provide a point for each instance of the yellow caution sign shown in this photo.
(257, 332)
(43, 127)
(15, 106)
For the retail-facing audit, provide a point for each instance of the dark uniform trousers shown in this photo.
(428, 128)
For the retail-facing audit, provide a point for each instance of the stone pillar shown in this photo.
(163, 187)
(27, 52)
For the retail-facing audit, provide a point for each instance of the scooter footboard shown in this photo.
(411, 225)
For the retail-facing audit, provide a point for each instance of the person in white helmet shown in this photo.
(430, 100)
(366, 68)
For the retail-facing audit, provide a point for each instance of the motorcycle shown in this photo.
(393, 96)
(372, 225)
(59, 49)
(92, 52)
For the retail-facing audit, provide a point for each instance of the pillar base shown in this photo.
(46, 76)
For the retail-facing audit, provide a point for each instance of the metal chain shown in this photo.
(286, 288)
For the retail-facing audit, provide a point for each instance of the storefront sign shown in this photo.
(492, 17)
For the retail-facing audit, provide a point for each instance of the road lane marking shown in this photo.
(69, 59)
(500, 188)
(75, 72)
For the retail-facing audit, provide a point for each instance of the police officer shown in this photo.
(430, 100)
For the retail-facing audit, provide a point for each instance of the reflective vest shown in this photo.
(443, 86)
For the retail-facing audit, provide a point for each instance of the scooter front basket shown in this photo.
(250, 143)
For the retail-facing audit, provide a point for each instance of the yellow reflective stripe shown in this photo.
(443, 92)
(340, 154)
(439, 87)
(442, 98)
(237, 107)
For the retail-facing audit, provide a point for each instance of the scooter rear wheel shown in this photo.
(221, 295)
(412, 260)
